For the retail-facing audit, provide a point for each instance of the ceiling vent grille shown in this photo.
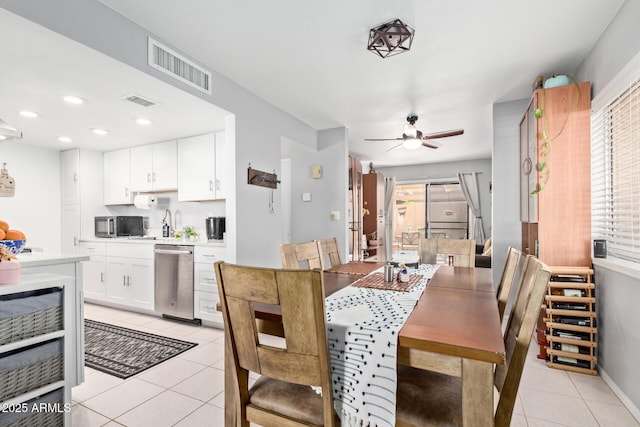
(136, 99)
(169, 62)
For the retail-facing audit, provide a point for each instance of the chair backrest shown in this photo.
(507, 279)
(410, 240)
(428, 250)
(329, 253)
(517, 337)
(300, 256)
(300, 295)
(462, 252)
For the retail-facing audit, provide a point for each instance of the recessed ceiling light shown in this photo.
(64, 139)
(71, 99)
(143, 121)
(29, 114)
(98, 131)
(2, 137)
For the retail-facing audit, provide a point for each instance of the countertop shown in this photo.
(156, 241)
(37, 259)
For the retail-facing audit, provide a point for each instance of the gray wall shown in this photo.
(259, 127)
(449, 170)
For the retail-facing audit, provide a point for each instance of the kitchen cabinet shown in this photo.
(71, 228)
(130, 282)
(117, 179)
(201, 162)
(154, 167)
(206, 296)
(556, 221)
(94, 271)
(70, 176)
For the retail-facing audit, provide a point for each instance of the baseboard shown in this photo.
(635, 411)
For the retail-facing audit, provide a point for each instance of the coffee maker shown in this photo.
(215, 227)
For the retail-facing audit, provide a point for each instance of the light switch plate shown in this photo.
(335, 215)
(306, 197)
(316, 172)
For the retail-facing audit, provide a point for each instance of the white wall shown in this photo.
(35, 208)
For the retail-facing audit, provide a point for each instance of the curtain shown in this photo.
(389, 186)
(469, 185)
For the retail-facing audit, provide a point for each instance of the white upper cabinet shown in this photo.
(154, 167)
(117, 184)
(70, 169)
(198, 163)
(221, 162)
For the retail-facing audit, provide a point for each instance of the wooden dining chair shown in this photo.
(507, 279)
(282, 396)
(300, 256)
(427, 398)
(428, 250)
(409, 240)
(460, 252)
(329, 253)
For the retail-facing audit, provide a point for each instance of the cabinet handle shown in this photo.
(126, 191)
(210, 185)
(154, 177)
(124, 280)
(207, 280)
(128, 280)
(76, 241)
(75, 177)
(148, 177)
(101, 277)
(217, 185)
(209, 307)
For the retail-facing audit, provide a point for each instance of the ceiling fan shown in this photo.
(412, 138)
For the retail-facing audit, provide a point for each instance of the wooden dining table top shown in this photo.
(456, 315)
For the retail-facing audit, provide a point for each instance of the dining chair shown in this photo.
(329, 253)
(428, 398)
(409, 240)
(300, 256)
(428, 250)
(283, 394)
(460, 252)
(507, 279)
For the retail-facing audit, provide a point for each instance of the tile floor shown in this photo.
(188, 389)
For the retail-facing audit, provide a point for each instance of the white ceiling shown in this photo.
(310, 60)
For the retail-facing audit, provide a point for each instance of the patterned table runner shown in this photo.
(363, 325)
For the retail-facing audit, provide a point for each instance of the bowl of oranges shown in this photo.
(13, 240)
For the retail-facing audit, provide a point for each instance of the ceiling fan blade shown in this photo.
(443, 134)
(393, 148)
(429, 144)
(383, 139)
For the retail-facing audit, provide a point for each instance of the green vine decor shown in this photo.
(544, 148)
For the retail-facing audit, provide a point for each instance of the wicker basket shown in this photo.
(30, 368)
(29, 314)
(31, 418)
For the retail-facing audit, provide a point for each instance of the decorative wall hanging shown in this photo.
(7, 183)
(263, 179)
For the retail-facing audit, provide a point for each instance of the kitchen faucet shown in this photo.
(164, 220)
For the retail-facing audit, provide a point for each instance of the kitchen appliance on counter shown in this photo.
(173, 268)
(120, 226)
(215, 227)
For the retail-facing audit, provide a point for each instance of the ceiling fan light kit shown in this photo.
(412, 138)
(390, 38)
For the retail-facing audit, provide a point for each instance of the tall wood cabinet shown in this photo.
(556, 221)
(373, 211)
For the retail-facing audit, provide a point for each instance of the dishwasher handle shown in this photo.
(172, 251)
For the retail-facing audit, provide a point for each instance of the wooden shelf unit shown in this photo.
(571, 295)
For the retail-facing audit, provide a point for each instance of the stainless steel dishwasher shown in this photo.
(173, 266)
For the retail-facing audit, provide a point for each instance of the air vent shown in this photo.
(169, 62)
(136, 99)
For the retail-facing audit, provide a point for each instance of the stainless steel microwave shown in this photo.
(119, 226)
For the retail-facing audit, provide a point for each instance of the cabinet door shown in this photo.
(221, 169)
(94, 278)
(117, 188)
(71, 226)
(165, 166)
(117, 272)
(70, 171)
(141, 283)
(141, 167)
(196, 168)
(532, 144)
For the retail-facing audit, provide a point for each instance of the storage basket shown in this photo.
(31, 418)
(31, 367)
(29, 314)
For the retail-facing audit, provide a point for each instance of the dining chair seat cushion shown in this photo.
(292, 400)
(426, 398)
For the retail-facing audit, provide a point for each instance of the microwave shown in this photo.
(119, 226)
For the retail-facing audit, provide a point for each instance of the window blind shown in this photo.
(615, 164)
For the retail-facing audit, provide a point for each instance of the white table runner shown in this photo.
(363, 326)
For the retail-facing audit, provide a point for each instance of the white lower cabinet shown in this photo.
(94, 271)
(130, 282)
(206, 298)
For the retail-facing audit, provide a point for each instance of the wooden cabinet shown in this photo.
(201, 162)
(373, 211)
(154, 167)
(571, 320)
(117, 180)
(556, 221)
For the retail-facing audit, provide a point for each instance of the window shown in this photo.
(615, 161)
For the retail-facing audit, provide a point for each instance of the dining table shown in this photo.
(454, 329)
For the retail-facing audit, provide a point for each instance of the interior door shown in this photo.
(355, 204)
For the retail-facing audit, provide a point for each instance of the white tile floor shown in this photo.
(188, 389)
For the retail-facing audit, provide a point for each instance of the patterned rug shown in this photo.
(124, 352)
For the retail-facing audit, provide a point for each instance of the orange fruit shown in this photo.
(14, 235)
(4, 225)
(2, 234)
